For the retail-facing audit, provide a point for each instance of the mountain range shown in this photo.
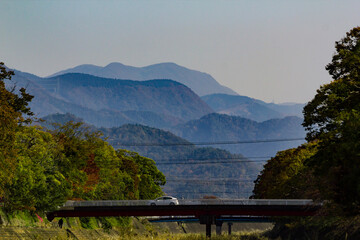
(174, 119)
(167, 105)
(109, 102)
(124, 95)
(201, 83)
(220, 98)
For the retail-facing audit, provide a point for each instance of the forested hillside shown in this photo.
(191, 171)
(220, 127)
(177, 157)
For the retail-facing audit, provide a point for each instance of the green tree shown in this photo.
(37, 183)
(333, 117)
(113, 182)
(12, 109)
(346, 61)
(322, 114)
(97, 172)
(150, 179)
(78, 157)
(285, 176)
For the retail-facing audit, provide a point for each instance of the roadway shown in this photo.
(194, 207)
(206, 210)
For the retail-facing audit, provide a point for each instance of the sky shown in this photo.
(273, 50)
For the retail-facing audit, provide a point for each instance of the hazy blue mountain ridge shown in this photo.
(220, 127)
(160, 96)
(288, 109)
(164, 104)
(201, 83)
(46, 102)
(251, 108)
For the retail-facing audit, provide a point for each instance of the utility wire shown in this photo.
(210, 160)
(203, 159)
(208, 180)
(216, 185)
(206, 143)
(216, 162)
(208, 192)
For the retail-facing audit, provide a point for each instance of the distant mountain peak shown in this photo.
(167, 64)
(115, 64)
(201, 83)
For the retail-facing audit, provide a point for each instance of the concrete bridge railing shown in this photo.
(255, 202)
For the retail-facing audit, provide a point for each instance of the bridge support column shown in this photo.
(208, 230)
(207, 220)
(229, 227)
(218, 227)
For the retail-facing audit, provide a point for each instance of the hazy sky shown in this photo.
(270, 50)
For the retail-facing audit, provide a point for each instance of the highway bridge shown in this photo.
(207, 211)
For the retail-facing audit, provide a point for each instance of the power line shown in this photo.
(217, 162)
(192, 161)
(227, 185)
(209, 180)
(208, 192)
(184, 161)
(203, 159)
(206, 143)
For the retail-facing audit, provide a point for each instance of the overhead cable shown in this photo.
(203, 159)
(206, 143)
(207, 162)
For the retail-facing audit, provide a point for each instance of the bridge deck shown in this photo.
(257, 202)
(213, 207)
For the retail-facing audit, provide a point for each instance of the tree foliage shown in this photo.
(12, 109)
(37, 183)
(328, 170)
(346, 61)
(146, 177)
(286, 176)
(72, 162)
(333, 117)
(323, 113)
(40, 170)
(336, 164)
(96, 171)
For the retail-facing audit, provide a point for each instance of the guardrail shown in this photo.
(192, 202)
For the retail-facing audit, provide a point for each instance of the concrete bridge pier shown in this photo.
(229, 227)
(207, 220)
(218, 227)
(208, 230)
